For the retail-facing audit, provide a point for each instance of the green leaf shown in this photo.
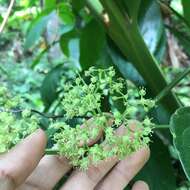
(186, 10)
(152, 28)
(37, 27)
(64, 41)
(49, 3)
(133, 8)
(180, 129)
(127, 69)
(78, 5)
(65, 13)
(92, 42)
(149, 19)
(1, 18)
(49, 86)
(158, 172)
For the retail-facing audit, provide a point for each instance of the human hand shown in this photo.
(26, 168)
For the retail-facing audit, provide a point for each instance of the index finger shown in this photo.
(16, 165)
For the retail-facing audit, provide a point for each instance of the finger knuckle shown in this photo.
(6, 178)
(121, 174)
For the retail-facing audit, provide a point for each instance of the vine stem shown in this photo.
(47, 116)
(7, 15)
(51, 152)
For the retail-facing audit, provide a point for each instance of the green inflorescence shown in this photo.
(98, 139)
(14, 125)
(86, 134)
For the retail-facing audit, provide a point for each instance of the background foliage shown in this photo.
(147, 42)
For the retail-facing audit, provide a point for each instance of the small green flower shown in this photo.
(26, 113)
(14, 127)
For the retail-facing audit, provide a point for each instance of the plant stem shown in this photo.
(161, 126)
(170, 86)
(96, 9)
(4, 71)
(7, 15)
